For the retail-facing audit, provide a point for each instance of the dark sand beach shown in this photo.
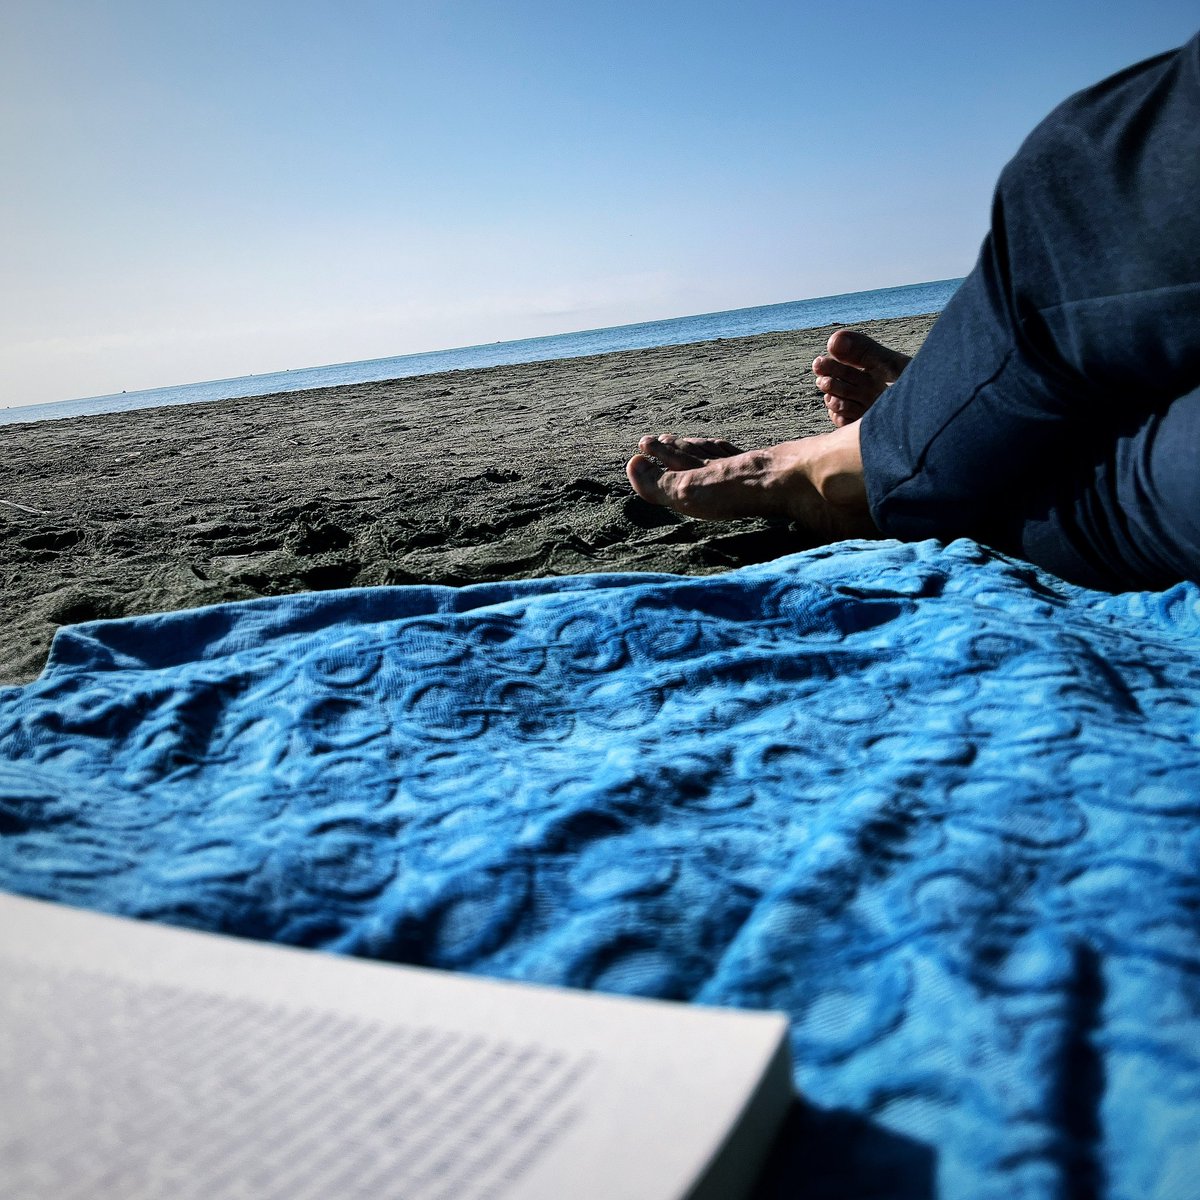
(508, 472)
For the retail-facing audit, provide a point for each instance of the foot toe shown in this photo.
(675, 454)
(849, 383)
(643, 478)
(843, 411)
(856, 349)
(704, 449)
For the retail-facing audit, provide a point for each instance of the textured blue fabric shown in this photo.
(938, 807)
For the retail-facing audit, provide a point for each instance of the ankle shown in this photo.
(836, 468)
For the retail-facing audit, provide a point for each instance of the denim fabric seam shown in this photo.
(1123, 295)
(918, 465)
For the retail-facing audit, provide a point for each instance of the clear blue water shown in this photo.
(739, 322)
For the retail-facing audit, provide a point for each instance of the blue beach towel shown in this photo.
(940, 808)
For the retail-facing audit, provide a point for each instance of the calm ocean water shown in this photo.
(739, 322)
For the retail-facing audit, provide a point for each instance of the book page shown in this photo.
(142, 1061)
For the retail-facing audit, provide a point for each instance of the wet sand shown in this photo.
(508, 472)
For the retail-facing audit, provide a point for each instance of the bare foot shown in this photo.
(816, 481)
(854, 373)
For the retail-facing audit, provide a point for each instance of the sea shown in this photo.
(908, 301)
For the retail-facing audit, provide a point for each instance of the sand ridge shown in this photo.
(462, 477)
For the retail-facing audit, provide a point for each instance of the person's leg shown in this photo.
(1131, 517)
(1081, 311)
(1126, 516)
(1080, 316)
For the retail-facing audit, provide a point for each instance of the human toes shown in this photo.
(682, 453)
(658, 440)
(844, 412)
(670, 451)
(645, 477)
(705, 448)
(856, 349)
(846, 382)
(703, 493)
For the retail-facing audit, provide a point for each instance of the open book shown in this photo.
(142, 1061)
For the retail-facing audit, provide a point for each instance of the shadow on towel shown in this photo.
(834, 1154)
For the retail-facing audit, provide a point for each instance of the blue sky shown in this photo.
(197, 191)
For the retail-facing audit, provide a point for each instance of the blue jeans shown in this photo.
(1054, 410)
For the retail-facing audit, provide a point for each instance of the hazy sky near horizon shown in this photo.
(198, 191)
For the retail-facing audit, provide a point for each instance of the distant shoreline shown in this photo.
(791, 316)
